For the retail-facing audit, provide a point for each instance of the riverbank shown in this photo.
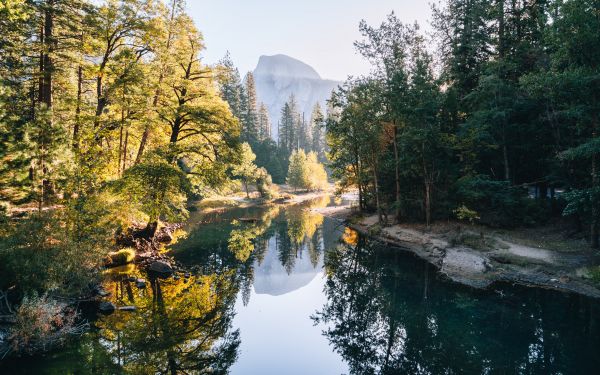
(285, 196)
(478, 256)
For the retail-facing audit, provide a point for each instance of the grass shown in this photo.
(121, 257)
(474, 241)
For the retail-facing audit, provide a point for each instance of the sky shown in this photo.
(318, 32)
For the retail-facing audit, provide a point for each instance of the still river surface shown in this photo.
(287, 291)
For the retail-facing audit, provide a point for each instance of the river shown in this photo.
(284, 290)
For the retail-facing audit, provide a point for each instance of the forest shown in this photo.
(112, 124)
(498, 123)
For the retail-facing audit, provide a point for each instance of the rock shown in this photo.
(279, 76)
(127, 308)
(106, 308)
(160, 269)
(564, 279)
(140, 283)
(100, 291)
(187, 275)
(164, 236)
(247, 220)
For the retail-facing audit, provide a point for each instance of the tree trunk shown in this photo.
(397, 171)
(428, 203)
(100, 101)
(594, 232)
(48, 45)
(377, 203)
(506, 167)
(120, 153)
(126, 142)
(78, 108)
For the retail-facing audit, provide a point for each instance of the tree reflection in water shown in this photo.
(180, 326)
(384, 316)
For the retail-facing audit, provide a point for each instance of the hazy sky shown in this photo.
(319, 32)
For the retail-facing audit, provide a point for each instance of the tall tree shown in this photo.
(251, 128)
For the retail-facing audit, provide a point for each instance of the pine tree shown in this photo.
(230, 85)
(288, 126)
(317, 124)
(250, 116)
(264, 123)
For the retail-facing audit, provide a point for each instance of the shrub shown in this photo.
(121, 257)
(305, 172)
(56, 251)
(42, 323)
(264, 184)
(499, 203)
(464, 213)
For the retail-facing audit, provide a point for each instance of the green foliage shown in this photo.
(264, 184)
(246, 170)
(498, 202)
(464, 213)
(58, 251)
(305, 172)
(157, 187)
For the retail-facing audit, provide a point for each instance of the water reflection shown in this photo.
(180, 326)
(259, 274)
(389, 313)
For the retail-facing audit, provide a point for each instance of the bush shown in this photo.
(121, 257)
(59, 250)
(499, 203)
(305, 172)
(42, 323)
(264, 184)
(464, 213)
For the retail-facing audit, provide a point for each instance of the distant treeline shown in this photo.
(295, 132)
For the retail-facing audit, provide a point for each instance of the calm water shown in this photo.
(291, 292)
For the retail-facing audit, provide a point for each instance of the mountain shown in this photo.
(279, 76)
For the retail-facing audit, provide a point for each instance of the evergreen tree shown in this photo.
(250, 119)
(288, 126)
(264, 123)
(317, 125)
(230, 85)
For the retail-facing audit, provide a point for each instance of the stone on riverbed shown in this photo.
(106, 308)
(127, 308)
(140, 283)
(161, 269)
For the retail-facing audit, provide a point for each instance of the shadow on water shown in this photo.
(388, 312)
(385, 311)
